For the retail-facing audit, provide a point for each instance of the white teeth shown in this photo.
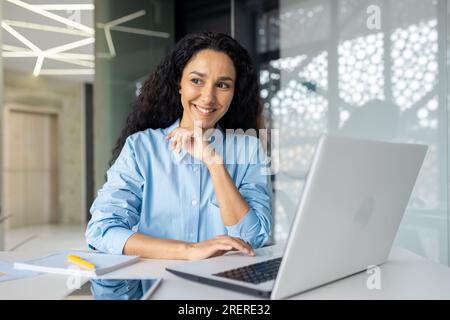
(203, 110)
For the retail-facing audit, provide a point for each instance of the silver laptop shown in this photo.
(347, 218)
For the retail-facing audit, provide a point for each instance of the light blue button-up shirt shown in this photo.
(154, 191)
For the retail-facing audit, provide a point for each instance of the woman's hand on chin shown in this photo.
(194, 143)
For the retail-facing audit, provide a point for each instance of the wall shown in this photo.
(67, 97)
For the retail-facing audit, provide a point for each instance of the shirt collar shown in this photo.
(172, 127)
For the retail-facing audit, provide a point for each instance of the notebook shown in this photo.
(58, 263)
(8, 273)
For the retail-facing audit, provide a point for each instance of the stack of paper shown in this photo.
(59, 263)
(7, 272)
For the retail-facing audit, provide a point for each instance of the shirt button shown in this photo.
(195, 169)
(194, 202)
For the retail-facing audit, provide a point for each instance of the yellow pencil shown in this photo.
(80, 261)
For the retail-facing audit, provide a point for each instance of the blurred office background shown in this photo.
(373, 69)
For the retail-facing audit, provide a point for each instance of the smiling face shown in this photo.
(206, 88)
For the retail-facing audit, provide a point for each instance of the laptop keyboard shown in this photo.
(254, 273)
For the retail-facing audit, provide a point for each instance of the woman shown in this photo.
(182, 186)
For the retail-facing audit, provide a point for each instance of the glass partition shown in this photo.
(2, 236)
(131, 38)
(366, 69)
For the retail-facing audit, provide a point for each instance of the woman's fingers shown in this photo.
(172, 134)
(218, 246)
(180, 138)
(177, 142)
(237, 244)
(172, 138)
(245, 245)
(192, 141)
(174, 141)
(186, 141)
(218, 249)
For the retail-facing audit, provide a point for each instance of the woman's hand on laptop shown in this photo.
(217, 246)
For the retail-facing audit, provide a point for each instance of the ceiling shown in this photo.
(46, 40)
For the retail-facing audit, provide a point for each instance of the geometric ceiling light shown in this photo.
(107, 26)
(56, 53)
(45, 27)
(64, 7)
(60, 49)
(18, 52)
(83, 60)
(29, 44)
(114, 25)
(49, 53)
(71, 27)
(52, 16)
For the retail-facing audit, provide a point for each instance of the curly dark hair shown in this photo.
(159, 105)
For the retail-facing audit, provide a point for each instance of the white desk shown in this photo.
(405, 276)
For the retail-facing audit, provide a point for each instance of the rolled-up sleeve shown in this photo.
(116, 210)
(256, 188)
